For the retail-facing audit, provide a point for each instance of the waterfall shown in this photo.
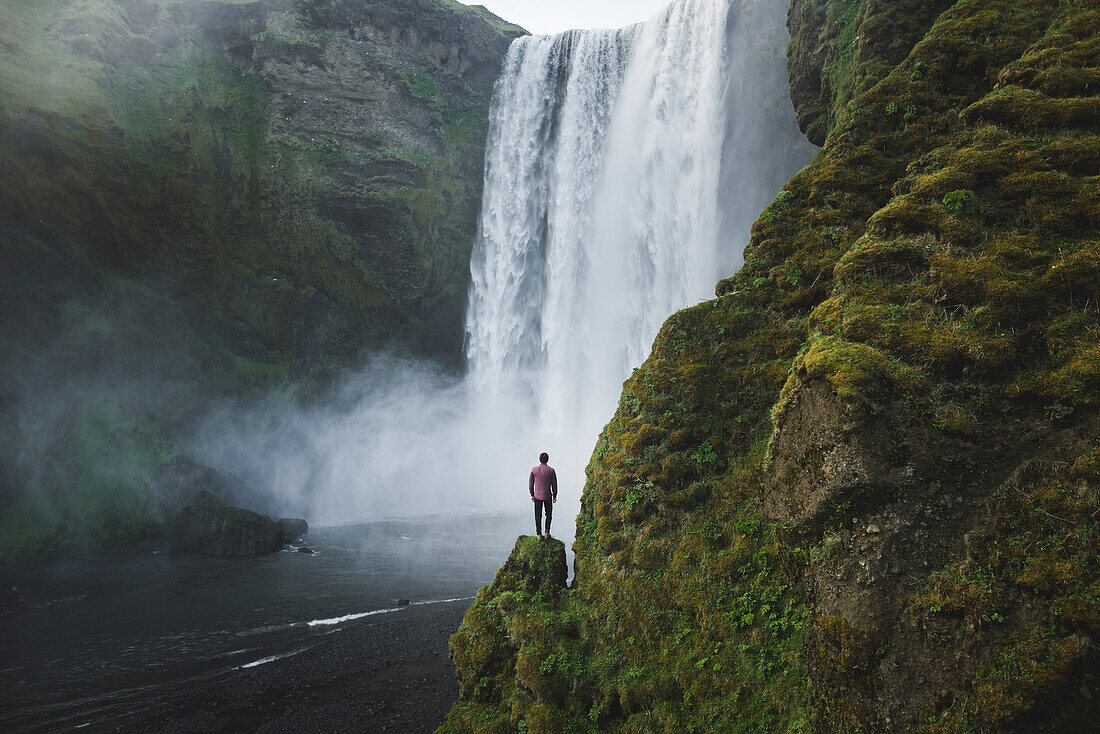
(623, 171)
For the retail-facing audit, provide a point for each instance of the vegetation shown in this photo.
(95, 489)
(921, 303)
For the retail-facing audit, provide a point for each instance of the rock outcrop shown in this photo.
(858, 491)
(507, 619)
(181, 482)
(227, 532)
(292, 528)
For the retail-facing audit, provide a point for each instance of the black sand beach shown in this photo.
(388, 672)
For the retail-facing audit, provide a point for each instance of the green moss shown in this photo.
(1027, 586)
(884, 259)
(962, 200)
(502, 26)
(95, 495)
(954, 419)
(856, 372)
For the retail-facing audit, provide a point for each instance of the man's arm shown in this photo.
(554, 484)
(531, 484)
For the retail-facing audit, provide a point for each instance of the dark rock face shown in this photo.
(296, 180)
(227, 532)
(841, 49)
(824, 453)
(292, 528)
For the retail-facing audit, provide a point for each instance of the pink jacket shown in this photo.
(543, 483)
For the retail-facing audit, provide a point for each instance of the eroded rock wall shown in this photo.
(301, 178)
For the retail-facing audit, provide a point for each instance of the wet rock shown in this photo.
(306, 550)
(292, 528)
(403, 602)
(227, 532)
(182, 482)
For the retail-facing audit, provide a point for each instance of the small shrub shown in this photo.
(705, 455)
(962, 200)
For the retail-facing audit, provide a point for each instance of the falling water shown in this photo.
(623, 171)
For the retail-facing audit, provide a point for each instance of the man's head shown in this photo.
(544, 457)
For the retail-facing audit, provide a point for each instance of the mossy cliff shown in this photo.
(212, 198)
(859, 491)
(300, 178)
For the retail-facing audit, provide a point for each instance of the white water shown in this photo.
(623, 172)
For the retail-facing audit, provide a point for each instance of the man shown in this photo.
(543, 485)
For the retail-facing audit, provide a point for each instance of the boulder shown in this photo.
(224, 531)
(292, 528)
(182, 482)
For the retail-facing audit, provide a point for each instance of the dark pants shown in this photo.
(539, 504)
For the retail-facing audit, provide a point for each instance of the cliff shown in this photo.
(206, 198)
(299, 179)
(860, 489)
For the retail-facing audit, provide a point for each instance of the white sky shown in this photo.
(554, 16)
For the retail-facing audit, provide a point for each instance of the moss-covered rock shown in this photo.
(499, 649)
(856, 492)
(227, 532)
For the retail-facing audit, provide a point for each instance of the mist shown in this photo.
(397, 437)
(619, 197)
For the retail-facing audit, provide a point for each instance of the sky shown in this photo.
(540, 16)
